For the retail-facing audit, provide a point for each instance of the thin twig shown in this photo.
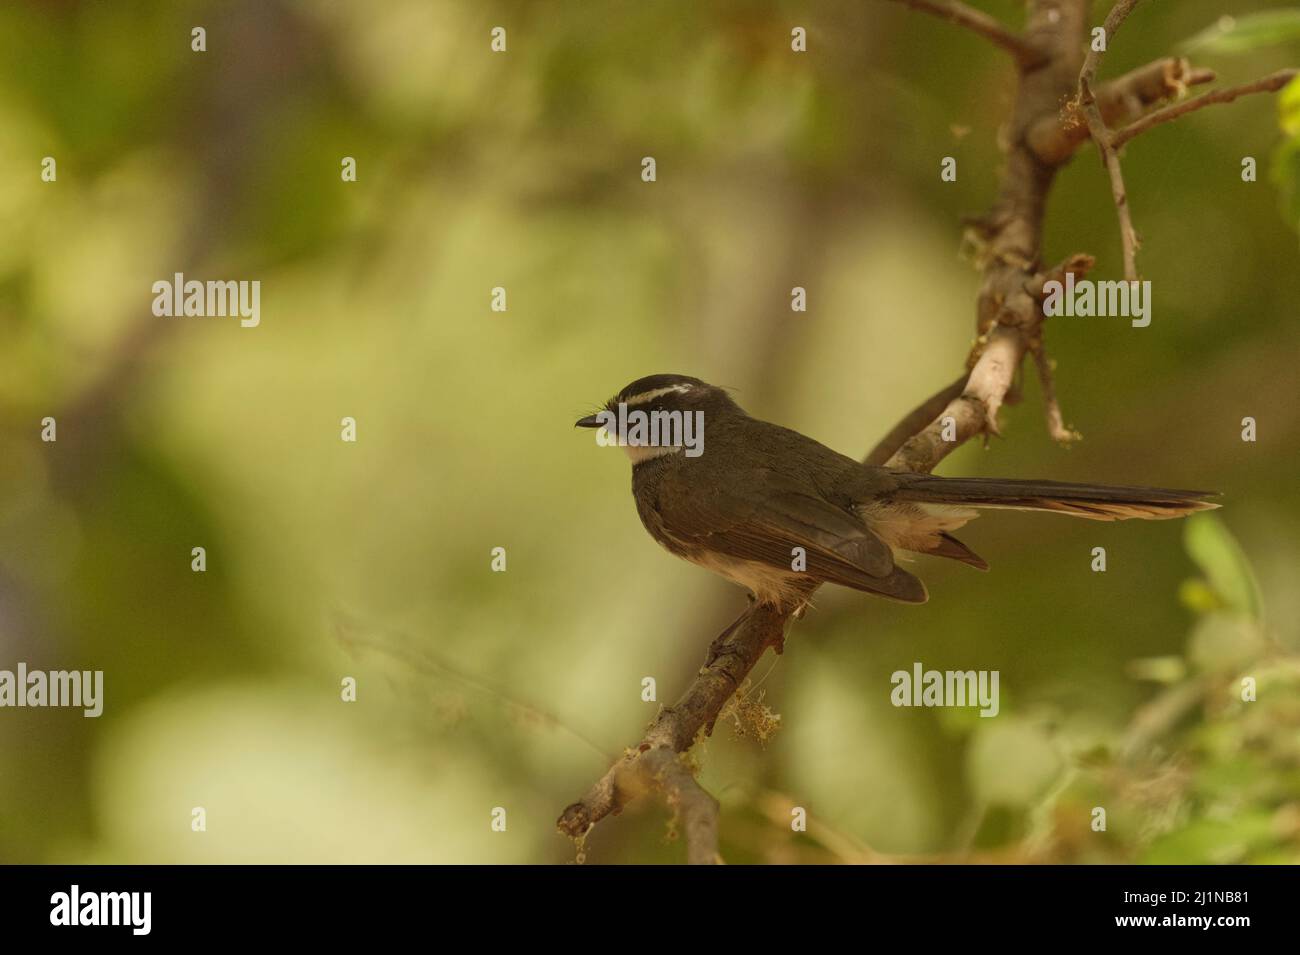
(1056, 426)
(1268, 84)
(1057, 136)
(994, 31)
(351, 636)
(1078, 266)
(1101, 136)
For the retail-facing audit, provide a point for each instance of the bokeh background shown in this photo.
(372, 560)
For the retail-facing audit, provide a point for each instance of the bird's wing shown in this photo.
(775, 516)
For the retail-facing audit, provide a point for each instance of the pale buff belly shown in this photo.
(769, 584)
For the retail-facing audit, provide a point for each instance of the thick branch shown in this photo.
(915, 421)
(995, 32)
(1009, 312)
(972, 402)
(1269, 84)
(697, 811)
(973, 412)
(674, 731)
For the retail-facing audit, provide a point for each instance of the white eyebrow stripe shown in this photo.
(656, 393)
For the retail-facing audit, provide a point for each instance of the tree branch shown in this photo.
(1055, 138)
(914, 421)
(1268, 84)
(674, 730)
(1056, 425)
(1026, 54)
(696, 809)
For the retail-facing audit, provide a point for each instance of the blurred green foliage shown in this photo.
(480, 689)
(1247, 34)
(1242, 34)
(1286, 156)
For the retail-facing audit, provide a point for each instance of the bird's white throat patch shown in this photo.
(638, 454)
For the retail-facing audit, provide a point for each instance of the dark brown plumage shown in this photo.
(780, 513)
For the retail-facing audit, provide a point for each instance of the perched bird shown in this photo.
(780, 514)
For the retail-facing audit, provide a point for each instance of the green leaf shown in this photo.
(1288, 108)
(1220, 557)
(1284, 172)
(1285, 168)
(1199, 597)
(1000, 826)
(1242, 34)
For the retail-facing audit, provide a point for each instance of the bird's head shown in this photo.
(660, 414)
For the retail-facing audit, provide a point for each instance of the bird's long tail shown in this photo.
(1098, 502)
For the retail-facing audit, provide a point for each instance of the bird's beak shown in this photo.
(591, 421)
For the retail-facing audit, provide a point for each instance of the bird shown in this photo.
(780, 514)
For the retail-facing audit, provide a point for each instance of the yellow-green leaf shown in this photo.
(1288, 108)
(1220, 557)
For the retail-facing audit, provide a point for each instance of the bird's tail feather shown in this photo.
(1098, 502)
